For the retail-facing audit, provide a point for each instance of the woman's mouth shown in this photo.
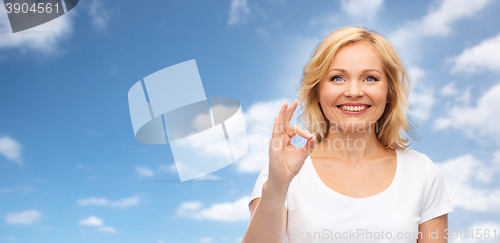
(353, 109)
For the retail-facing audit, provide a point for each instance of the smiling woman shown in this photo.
(355, 180)
(357, 57)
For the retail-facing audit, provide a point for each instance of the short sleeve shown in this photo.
(257, 189)
(437, 202)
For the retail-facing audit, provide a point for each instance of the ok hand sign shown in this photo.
(286, 160)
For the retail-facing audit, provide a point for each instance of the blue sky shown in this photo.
(72, 171)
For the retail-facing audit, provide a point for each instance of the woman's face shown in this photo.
(353, 92)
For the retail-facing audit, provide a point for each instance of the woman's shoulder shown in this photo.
(418, 170)
(416, 160)
(415, 156)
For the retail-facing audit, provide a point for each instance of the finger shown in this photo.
(280, 118)
(275, 127)
(309, 147)
(275, 144)
(296, 130)
(289, 113)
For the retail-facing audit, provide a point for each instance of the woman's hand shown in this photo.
(286, 160)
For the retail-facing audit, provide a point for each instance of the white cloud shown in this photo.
(459, 175)
(216, 149)
(10, 148)
(98, 13)
(421, 95)
(362, 9)
(238, 12)
(24, 189)
(144, 172)
(168, 168)
(165, 168)
(188, 206)
(123, 203)
(455, 96)
(449, 89)
(437, 22)
(43, 39)
(108, 229)
(254, 161)
(483, 56)
(228, 211)
(206, 239)
(25, 217)
(91, 221)
(93, 201)
(475, 121)
(126, 202)
(97, 222)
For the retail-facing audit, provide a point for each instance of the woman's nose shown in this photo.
(353, 89)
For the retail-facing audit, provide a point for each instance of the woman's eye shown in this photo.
(336, 79)
(371, 79)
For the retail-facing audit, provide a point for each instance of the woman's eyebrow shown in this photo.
(338, 69)
(363, 71)
(371, 70)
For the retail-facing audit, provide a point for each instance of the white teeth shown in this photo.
(353, 108)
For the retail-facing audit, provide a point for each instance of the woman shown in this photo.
(354, 180)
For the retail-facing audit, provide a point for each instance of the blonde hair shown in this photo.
(393, 121)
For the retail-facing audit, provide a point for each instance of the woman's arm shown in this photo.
(267, 217)
(439, 225)
(285, 161)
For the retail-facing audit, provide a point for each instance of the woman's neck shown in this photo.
(351, 145)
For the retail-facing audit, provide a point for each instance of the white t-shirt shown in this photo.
(316, 213)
